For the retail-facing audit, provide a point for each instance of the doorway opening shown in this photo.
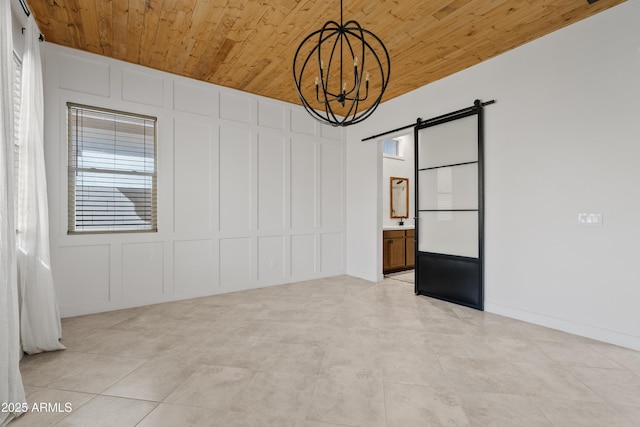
(397, 206)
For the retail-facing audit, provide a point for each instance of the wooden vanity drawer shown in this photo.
(390, 234)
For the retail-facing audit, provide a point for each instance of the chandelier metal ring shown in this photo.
(341, 98)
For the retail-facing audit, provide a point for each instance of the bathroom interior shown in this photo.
(398, 194)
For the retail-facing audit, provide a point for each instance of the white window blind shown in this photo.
(112, 171)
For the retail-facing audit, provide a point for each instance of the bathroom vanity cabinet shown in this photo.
(398, 250)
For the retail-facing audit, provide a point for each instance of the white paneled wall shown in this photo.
(250, 190)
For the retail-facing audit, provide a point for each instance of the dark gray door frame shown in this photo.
(453, 278)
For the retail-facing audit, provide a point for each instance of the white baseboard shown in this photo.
(366, 276)
(81, 309)
(611, 337)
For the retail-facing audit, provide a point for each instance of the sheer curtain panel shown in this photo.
(11, 388)
(39, 316)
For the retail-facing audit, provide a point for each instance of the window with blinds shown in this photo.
(112, 171)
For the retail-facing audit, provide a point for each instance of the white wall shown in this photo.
(563, 138)
(250, 190)
(401, 167)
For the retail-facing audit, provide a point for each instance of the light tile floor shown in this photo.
(330, 352)
(403, 276)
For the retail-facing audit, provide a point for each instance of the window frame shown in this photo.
(396, 145)
(71, 205)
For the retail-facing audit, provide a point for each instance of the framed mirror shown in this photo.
(399, 188)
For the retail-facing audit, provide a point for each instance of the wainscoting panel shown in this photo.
(235, 107)
(303, 255)
(195, 99)
(271, 257)
(84, 75)
(142, 88)
(332, 182)
(142, 271)
(331, 255)
(271, 115)
(302, 122)
(192, 176)
(83, 277)
(271, 181)
(193, 272)
(303, 183)
(236, 263)
(331, 132)
(235, 179)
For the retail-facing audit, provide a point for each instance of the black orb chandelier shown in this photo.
(331, 75)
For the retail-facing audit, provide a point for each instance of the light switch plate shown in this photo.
(590, 218)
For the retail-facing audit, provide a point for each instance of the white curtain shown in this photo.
(39, 316)
(11, 388)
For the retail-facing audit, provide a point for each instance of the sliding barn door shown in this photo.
(449, 208)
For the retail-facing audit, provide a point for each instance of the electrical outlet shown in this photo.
(590, 218)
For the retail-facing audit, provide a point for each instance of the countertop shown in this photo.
(398, 227)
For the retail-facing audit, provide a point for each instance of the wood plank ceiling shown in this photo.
(249, 44)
